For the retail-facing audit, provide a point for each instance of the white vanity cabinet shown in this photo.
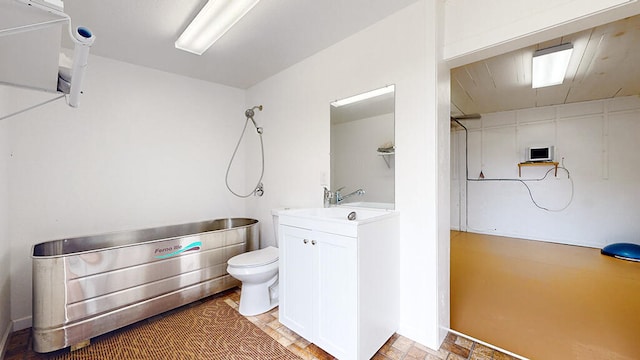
(318, 288)
(339, 290)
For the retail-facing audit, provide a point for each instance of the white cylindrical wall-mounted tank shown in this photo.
(83, 39)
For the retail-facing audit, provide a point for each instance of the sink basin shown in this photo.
(333, 220)
(340, 213)
(367, 204)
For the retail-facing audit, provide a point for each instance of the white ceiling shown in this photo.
(279, 33)
(273, 36)
(604, 64)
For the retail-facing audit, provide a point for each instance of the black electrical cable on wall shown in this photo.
(523, 182)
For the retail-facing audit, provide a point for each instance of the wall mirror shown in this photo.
(363, 148)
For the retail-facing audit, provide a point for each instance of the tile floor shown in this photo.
(397, 348)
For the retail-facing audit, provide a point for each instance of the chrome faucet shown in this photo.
(335, 197)
(328, 195)
(331, 196)
(339, 197)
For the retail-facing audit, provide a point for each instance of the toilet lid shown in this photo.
(255, 258)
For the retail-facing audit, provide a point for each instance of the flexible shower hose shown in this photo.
(226, 178)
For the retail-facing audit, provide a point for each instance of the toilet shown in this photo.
(258, 272)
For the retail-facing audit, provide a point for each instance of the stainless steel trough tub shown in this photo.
(87, 286)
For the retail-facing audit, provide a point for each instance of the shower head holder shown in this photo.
(250, 112)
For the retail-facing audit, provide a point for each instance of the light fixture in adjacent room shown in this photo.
(364, 96)
(550, 65)
(213, 21)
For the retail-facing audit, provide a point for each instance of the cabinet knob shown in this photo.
(313, 242)
(305, 241)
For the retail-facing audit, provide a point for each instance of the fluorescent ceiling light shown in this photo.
(364, 96)
(213, 21)
(550, 65)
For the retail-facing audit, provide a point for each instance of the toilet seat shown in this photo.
(255, 258)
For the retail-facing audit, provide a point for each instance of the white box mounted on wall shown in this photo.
(539, 153)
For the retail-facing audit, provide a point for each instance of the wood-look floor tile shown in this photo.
(275, 313)
(319, 353)
(451, 338)
(289, 334)
(502, 356)
(294, 348)
(394, 353)
(271, 332)
(464, 342)
(456, 349)
(403, 344)
(475, 356)
(302, 342)
(275, 324)
(416, 353)
(453, 356)
(440, 353)
(379, 356)
(434, 357)
(480, 351)
(393, 338)
(284, 341)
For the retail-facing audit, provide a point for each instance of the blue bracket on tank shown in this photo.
(625, 251)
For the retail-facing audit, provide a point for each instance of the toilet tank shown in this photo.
(275, 213)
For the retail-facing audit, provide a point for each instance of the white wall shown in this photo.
(355, 162)
(144, 149)
(296, 101)
(442, 113)
(5, 255)
(598, 144)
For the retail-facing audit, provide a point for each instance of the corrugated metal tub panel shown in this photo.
(84, 287)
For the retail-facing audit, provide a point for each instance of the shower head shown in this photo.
(250, 112)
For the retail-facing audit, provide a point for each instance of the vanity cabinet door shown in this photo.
(335, 294)
(296, 288)
(319, 288)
